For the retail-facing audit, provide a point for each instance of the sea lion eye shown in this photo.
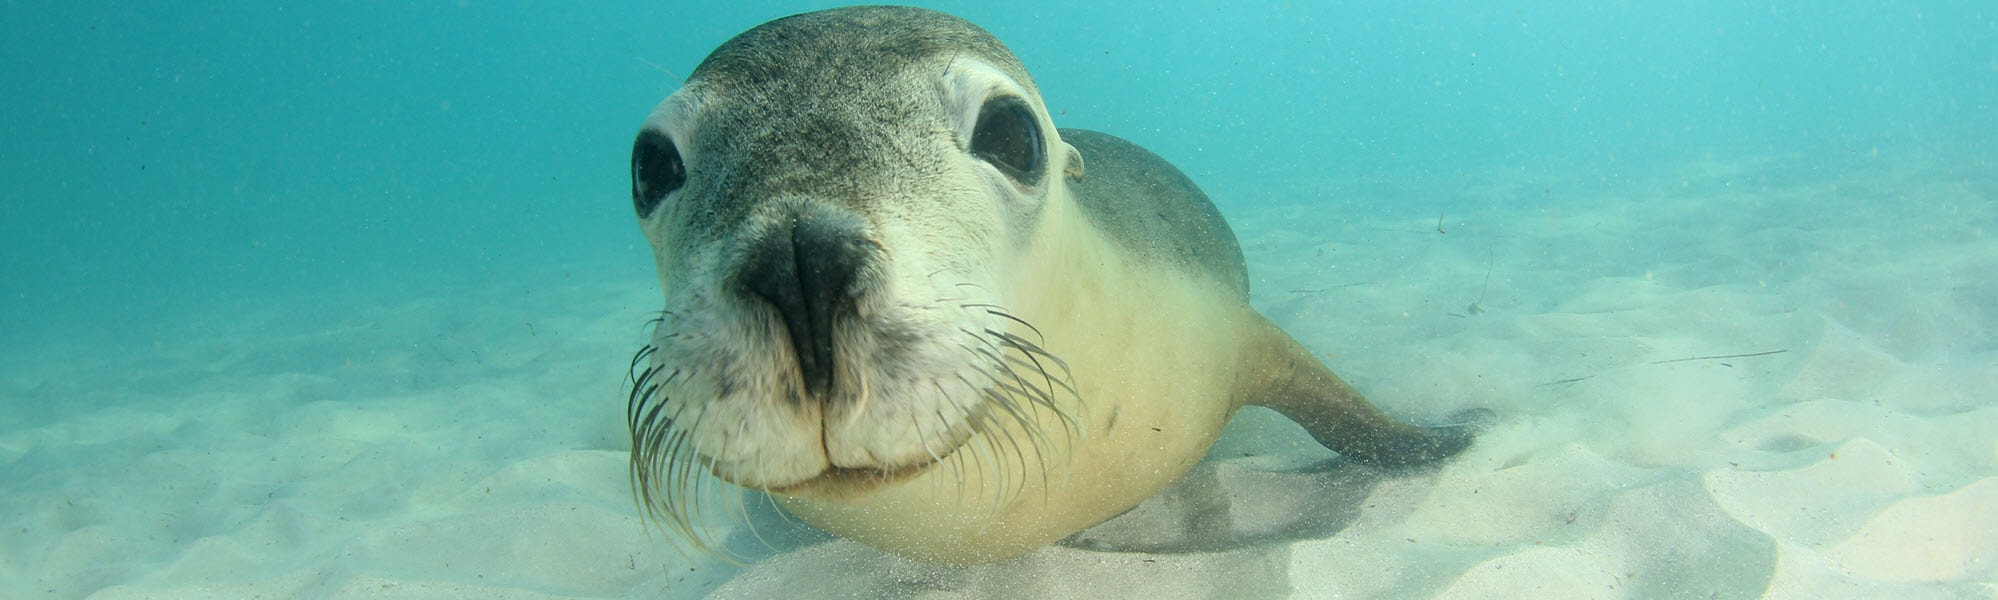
(656, 170)
(1009, 137)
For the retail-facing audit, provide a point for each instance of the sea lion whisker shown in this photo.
(987, 447)
(660, 503)
(956, 463)
(1012, 390)
(1018, 383)
(1036, 437)
(1001, 313)
(1032, 349)
(923, 439)
(1002, 394)
(634, 409)
(641, 385)
(1043, 398)
(740, 514)
(1027, 427)
(694, 481)
(637, 357)
(673, 497)
(647, 392)
(665, 444)
(653, 472)
(999, 439)
(1036, 354)
(647, 428)
(973, 450)
(1034, 367)
(1046, 397)
(957, 459)
(645, 434)
(989, 441)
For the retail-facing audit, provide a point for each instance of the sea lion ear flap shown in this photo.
(1073, 170)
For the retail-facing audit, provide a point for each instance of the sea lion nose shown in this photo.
(805, 267)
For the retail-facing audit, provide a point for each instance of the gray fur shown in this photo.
(832, 105)
(826, 105)
(1152, 210)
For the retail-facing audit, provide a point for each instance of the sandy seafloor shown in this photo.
(470, 445)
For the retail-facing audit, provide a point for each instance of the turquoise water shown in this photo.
(163, 158)
(273, 209)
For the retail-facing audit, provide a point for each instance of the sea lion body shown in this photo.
(923, 318)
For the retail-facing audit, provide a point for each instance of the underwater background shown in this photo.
(289, 292)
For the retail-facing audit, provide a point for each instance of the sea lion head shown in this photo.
(832, 200)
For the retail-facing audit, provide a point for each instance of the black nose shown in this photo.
(806, 267)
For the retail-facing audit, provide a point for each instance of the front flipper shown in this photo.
(1284, 377)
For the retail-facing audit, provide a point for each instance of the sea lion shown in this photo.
(903, 303)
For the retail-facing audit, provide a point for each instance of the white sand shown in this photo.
(472, 446)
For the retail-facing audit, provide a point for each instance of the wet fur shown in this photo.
(957, 431)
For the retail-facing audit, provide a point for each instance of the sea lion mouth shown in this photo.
(847, 482)
(966, 393)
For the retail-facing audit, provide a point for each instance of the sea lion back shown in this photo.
(1151, 209)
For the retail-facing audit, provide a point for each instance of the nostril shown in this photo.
(805, 268)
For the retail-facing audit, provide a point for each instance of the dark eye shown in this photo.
(656, 171)
(1009, 137)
